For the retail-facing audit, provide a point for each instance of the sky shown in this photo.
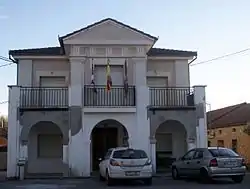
(212, 28)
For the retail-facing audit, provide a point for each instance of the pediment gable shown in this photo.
(108, 31)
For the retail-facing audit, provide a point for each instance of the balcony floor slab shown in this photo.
(109, 109)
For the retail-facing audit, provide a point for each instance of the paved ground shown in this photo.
(93, 183)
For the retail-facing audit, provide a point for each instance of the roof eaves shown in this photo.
(160, 52)
(48, 51)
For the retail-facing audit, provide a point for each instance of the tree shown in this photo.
(4, 126)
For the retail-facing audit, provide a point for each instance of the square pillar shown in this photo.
(200, 103)
(65, 161)
(142, 101)
(76, 149)
(153, 153)
(13, 132)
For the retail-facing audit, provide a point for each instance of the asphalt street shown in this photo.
(94, 183)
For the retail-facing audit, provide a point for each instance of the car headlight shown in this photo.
(148, 162)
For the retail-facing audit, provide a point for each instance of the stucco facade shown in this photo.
(39, 112)
(230, 135)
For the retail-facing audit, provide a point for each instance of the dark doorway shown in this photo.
(102, 140)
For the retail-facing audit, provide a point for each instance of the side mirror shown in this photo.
(99, 159)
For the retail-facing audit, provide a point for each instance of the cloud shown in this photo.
(3, 17)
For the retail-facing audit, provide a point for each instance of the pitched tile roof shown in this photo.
(170, 52)
(229, 116)
(57, 51)
(47, 51)
(111, 19)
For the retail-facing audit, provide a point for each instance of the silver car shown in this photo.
(208, 163)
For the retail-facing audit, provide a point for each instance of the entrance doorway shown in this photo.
(105, 135)
(102, 140)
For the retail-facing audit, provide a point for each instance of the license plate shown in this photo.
(230, 163)
(132, 173)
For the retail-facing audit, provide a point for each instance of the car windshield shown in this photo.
(223, 152)
(129, 154)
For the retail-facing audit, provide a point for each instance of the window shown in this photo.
(208, 143)
(220, 143)
(234, 145)
(233, 130)
(189, 155)
(198, 154)
(130, 154)
(49, 146)
(220, 131)
(217, 152)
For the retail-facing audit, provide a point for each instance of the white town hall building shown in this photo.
(61, 124)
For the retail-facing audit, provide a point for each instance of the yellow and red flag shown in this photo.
(109, 79)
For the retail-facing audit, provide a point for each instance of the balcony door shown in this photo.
(51, 90)
(52, 81)
(116, 72)
(158, 92)
(115, 96)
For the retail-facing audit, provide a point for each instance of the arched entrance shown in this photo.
(105, 135)
(45, 149)
(170, 143)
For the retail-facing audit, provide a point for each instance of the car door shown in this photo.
(184, 166)
(103, 163)
(197, 162)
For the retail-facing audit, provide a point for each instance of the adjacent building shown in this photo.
(62, 117)
(229, 127)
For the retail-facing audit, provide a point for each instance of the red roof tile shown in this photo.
(229, 116)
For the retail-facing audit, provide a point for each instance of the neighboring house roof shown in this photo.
(57, 51)
(229, 116)
(113, 20)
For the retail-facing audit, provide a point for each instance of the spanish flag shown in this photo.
(109, 79)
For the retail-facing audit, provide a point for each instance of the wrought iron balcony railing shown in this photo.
(171, 97)
(43, 97)
(116, 97)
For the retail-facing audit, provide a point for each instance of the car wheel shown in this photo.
(175, 173)
(109, 181)
(238, 179)
(148, 181)
(204, 177)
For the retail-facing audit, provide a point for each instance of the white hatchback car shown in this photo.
(125, 163)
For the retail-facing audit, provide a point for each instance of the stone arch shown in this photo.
(106, 134)
(112, 121)
(28, 128)
(92, 123)
(171, 143)
(45, 142)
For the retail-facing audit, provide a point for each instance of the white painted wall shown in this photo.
(13, 132)
(78, 72)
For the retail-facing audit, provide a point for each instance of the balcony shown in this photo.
(171, 98)
(43, 97)
(100, 97)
